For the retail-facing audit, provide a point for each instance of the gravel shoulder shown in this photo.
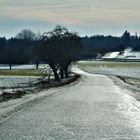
(131, 89)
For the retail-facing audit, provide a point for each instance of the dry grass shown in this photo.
(20, 72)
(110, 65)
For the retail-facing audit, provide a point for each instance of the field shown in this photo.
(109, 64)
(20, 72)
(20, 76)
(130, 71)
(24, 75)
(16, 81)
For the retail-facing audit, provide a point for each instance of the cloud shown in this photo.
(84, 12)
(67, 13)
(75, 13)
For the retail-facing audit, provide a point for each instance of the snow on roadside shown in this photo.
(77, 70)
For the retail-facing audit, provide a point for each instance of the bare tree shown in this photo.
(26, 34)
(60, 48)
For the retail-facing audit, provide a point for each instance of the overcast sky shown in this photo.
(88, 17)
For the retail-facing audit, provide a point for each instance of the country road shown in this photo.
(92, 109)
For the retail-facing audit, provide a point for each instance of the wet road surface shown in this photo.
(93, 109)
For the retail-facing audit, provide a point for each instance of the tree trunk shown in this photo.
(54, 71)
(61, 73)
(37, 66)
(10, 65)
(66, 72)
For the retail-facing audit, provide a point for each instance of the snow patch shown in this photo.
(126, 54)
(111, 55)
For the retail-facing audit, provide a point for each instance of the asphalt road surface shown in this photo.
(93, 109)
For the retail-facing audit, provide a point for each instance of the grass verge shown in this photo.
(111, 65)
(132, 81)
(22, 72)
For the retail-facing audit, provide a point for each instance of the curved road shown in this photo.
(93, 109)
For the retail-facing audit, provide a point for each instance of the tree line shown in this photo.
(59, 48)
(102, 44)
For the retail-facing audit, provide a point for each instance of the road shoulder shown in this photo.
(130, 89)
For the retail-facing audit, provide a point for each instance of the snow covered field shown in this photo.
(16, 67)
(103, 67)
(10, 82)
(25, 81)
(16, 81)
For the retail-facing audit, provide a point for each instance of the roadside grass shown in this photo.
(111, 65)
(23, 72)
(133, 81)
